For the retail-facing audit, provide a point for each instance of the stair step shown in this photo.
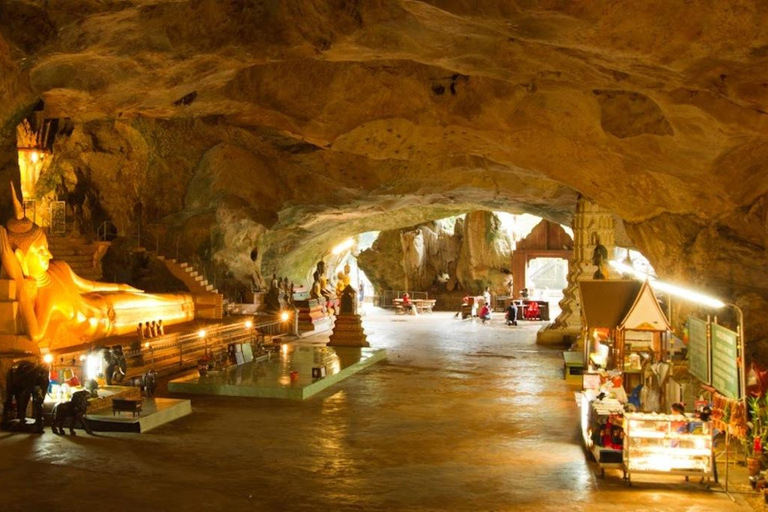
(192, 273)
(199, 278)
(210, 288)
(184, 265)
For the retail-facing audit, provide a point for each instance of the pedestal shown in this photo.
(312, 318)
(348, 332)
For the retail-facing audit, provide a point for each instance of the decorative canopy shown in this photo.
(606, 303)
(623, 304)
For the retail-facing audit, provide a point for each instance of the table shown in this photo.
(132, 405)
(574, 363)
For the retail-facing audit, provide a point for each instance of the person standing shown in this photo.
(361, 293)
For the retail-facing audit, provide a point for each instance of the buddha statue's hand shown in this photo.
(28, 289)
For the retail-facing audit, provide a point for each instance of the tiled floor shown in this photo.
(461, 416)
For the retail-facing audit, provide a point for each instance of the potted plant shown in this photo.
(757, 434)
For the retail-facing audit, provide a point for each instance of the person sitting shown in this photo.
(408, 305)
(485, 313)
(511, 315)
(464, 306)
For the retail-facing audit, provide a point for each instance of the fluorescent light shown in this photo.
(690, 295)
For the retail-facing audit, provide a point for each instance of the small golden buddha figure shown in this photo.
(51, 295)
(340, 284)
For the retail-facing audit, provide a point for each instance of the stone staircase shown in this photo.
(209, 303)
(83, 256)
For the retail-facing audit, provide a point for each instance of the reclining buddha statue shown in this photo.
(60, 308)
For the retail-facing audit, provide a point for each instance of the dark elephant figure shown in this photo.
(147, 382)
(74, 410)
(116, 364)
(25, 380)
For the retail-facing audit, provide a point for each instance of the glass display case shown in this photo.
(667, 444)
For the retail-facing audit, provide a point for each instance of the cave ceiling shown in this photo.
(373, 114)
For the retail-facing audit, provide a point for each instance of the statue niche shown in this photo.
(51, 296)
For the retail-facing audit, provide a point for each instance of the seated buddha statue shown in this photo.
(50, 295)
(340, 284)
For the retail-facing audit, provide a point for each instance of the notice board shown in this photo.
(58, 218)
(725, 369)
(698, 349)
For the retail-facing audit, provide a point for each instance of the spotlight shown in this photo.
(146, 345)
(284, 316)
(248, 324)
(34, 156)
(48, 358)
(201, 333)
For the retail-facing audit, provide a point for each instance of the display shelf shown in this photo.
(595, 412)
(654, 444)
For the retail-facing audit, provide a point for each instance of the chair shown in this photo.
(532, 311)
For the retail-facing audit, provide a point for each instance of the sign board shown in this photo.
(58, 218)
(698, 349)
(725, 368)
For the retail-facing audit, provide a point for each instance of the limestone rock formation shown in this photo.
(475, 255)
(363, 116)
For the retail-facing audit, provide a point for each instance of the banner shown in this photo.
(58, 218)
(698, 349)
(725, 368)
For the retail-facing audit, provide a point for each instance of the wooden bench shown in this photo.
(424, 305)
(132, 405)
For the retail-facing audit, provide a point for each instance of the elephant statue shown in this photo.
(74, 410)
(25, 380)
(116, 363)
(147, 382)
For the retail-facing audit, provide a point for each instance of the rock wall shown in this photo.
(383, 115)
(428, 258)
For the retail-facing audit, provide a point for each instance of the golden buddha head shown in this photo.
(28, 241)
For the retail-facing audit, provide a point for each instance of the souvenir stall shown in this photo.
(626, 366)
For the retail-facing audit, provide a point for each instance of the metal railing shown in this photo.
(107, 232)
(172, 352)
